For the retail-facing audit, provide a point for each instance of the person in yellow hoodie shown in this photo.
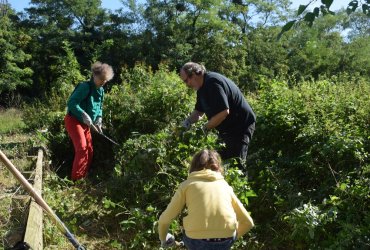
(215, 216)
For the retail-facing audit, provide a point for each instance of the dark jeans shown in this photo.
(196, 244)
(237, 146)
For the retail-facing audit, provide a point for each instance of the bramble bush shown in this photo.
(310, 141)
(308, 163)
(146, 101)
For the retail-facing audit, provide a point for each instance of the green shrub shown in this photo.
(146, 102)
(150, 168)
(309, 138)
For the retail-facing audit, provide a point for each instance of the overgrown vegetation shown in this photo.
(308, 163)
(13, 207)
(312, 152)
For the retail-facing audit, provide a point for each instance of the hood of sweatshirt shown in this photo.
(206, 174)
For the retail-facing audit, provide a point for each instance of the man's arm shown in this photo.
(217, 119)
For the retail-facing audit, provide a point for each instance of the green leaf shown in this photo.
(327, 3)
(250, 193)
(365, 8)
(316, 11)
(349, 10)
(285, 28)
(353, 5)
(324, 11)
(309, 18)
(343, 186)
(301, 9)
(334, 198)
(288, 25)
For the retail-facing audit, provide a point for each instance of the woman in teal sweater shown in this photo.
(215, 216)
(84, 110)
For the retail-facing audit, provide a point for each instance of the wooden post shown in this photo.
(33, 234)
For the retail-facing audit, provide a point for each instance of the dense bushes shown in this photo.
(154, 159)
(146, 101)
(310, 151)
(308, 163)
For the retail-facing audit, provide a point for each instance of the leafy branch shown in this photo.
(324, 9)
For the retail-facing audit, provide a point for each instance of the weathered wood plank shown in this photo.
(33, 234)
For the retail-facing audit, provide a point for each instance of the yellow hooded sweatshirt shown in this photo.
(213, 210)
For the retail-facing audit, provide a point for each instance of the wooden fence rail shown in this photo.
(33, 233)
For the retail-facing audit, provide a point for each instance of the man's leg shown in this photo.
(236, 149)
(247, 137)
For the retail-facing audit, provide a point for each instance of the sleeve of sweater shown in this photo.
(173, 209)
(245, 221)
(80, 93)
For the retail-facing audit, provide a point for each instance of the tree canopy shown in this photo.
(237, 38)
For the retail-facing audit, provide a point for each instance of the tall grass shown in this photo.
(11, 120)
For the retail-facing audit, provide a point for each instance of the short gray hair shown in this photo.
(102, 70)
(191, 68)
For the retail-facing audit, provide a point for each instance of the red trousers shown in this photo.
(82, 142)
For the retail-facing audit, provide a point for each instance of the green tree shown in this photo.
(357, 24)
(316, 51)
(251, 14)
(85, 16)
(13, 71)
(50, 24)
(267, 57)
(212, 32)
(356, 60)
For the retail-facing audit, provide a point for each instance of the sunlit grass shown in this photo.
(11, 121)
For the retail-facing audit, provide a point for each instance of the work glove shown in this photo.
(86, 119)
(169, 242)
(99, 124)
(186, 124)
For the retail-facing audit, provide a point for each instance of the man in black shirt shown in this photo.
(225, 107)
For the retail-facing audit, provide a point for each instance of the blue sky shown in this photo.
(336, 5)
(19, 5)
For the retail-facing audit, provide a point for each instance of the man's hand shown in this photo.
(86, 119)
(99, 124)
(170, 241)
(186, 124)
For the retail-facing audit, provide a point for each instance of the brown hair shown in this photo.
(206, 159)
(102, 70)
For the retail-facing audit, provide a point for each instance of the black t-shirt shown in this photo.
(219, 93)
